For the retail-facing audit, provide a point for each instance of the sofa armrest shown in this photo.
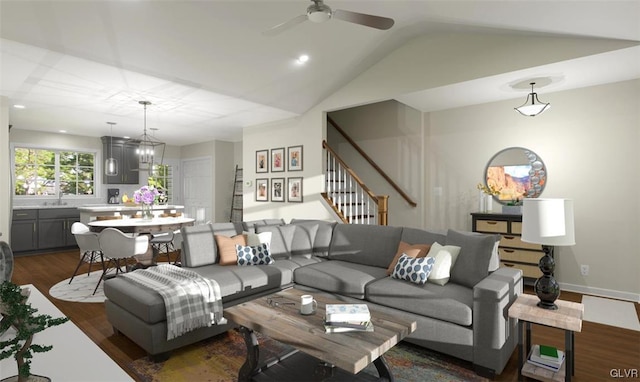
(494, 334)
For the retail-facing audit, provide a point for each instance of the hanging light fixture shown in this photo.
(147, 145)
(535, 107)
(111, 163)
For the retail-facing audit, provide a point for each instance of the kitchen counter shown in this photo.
(90, 212)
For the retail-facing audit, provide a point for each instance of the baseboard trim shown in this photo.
(601, 292)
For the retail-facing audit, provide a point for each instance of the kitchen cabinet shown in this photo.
(124, 151)
(513, 252)
(24, 234)
(34, 230)
(54, 227)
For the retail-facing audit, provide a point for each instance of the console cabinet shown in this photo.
(125, 152)
(514, 252)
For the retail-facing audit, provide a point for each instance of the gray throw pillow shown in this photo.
(473, 261)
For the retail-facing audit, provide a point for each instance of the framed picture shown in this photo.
(294, 190)
(277, 160)
(294, 158)
(277, 189)
(262, 190)
(262, 161)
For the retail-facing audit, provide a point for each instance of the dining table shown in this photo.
(139, 226)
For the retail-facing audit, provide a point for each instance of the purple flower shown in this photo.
(146, 195)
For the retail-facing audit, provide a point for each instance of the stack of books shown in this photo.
(340, 318)
(546, 357)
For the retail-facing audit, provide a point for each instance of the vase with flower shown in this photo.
(486, 196)
(146, 196)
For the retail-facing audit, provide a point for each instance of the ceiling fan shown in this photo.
(318, 12)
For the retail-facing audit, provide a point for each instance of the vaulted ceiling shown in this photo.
(209, 71)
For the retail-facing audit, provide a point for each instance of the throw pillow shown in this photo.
(445, 257)
(227, 248)
(255, 239)
(258, 255)
(414, 251)
(474, 258)
(414, 270)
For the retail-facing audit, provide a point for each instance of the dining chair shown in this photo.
(90, 250)
(162, 243)
(118, 248)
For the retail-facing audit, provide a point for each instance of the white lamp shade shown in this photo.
(548, 221)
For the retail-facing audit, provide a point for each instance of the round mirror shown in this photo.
(517, 173)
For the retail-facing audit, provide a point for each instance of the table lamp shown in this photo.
(548, 222)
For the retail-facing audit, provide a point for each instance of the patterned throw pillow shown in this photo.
(414, 270)
(258, 255)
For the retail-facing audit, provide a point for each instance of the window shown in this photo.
(41, 172)
(162, 179)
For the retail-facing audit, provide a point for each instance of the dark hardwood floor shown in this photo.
(602, 352)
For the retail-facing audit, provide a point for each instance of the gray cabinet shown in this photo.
(24, 234)
(34, 230)
(125, 152)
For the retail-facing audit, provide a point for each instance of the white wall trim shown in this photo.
(619, 295)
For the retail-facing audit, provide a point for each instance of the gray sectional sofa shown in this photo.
(466, 318)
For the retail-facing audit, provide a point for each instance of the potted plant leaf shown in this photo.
(19, 314)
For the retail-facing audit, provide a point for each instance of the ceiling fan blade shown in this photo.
(284, 26)
(372, 21)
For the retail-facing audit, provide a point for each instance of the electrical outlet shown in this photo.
(584, 269)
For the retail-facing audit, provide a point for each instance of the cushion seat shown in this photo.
(452, 302)
(345, 278)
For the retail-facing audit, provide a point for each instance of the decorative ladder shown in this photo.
(349, 197)
(236, 201)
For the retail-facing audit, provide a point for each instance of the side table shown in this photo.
(568, 317)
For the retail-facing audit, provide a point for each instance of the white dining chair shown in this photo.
(90, 251)
(118, 248)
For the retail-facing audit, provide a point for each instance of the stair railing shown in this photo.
(350, 198)
(373, 164)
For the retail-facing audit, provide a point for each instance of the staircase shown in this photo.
(236, 201)
(348, 196)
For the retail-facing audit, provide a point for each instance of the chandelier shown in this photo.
(148, 146)
(535, 107)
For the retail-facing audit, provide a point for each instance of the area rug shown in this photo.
(80, 289)
(611, 312)
(218, 359)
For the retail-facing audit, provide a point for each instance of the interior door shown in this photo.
(197, 189)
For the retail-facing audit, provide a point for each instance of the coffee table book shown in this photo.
(536, 359)
(347, 312)
(343, 327)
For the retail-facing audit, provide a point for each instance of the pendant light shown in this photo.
(111, 164)
(147, 145)
(535, 107)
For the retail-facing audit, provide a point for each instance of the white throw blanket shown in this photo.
(191, 301)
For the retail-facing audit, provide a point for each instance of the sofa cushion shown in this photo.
(452, 302)
(291, 240)
(255, 239)
(345, 278)
(323, 235)
(445, 257)
(412, 269)
(258, 255)
(365, 244)
(415, 251)
(198, 244)
(420, 236)
(473, 261)
(227, 248)
(250, 226)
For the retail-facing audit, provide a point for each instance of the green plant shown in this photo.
(18, 313)
(489, 190)
(514, 202)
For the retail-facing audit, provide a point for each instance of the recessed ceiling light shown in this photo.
(303, 58)
(62, 131)
(19, 106)
(126, 137)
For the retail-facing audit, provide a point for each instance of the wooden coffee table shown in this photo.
(349, 352)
